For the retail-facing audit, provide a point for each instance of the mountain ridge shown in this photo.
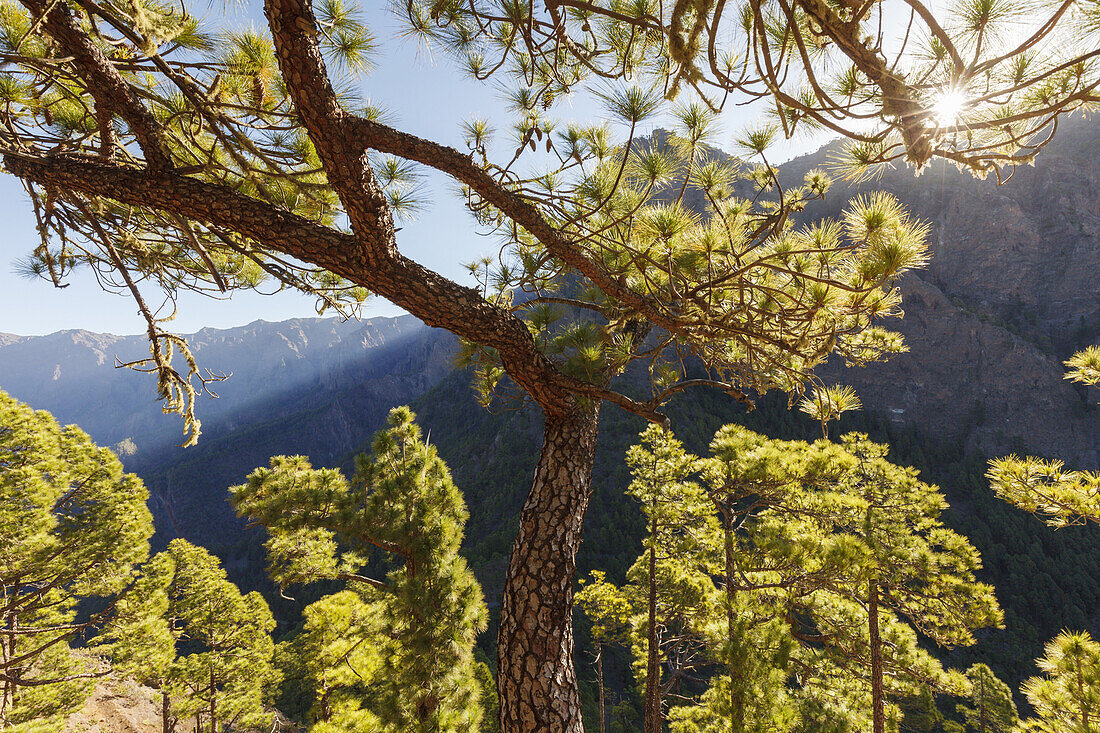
(72, 372)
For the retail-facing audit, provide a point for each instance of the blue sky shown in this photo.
(428, 98)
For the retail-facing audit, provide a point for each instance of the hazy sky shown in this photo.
(428, 98)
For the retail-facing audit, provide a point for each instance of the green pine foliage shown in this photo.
(411, 630)
(1045, 488)
(1084, 366)
(914, 566)
(72, 527)
(1066, 697)
(188, 631)
(991, 708)
(335, 662)
(766, 554)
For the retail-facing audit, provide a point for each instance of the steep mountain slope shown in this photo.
(970, 380)
(1010, 292)
(310, 386)
(1024, 254)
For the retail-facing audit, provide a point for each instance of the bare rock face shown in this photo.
(1028, 252)
(966, 379)
(1012, 289)
(117, 706)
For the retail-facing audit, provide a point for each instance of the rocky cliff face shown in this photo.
(1010, 292)
(967, 379)
(1024, 254)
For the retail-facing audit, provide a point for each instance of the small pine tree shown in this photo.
(609, 610)
(427, 611)
(1066, 698)
(72, 526)
(677, 595)
(187, 630)
(991, 708)
(914, 566)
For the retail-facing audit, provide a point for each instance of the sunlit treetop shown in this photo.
(1045, 488)
(1066, 696)
(1084, 366)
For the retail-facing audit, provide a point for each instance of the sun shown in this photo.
(948, 106)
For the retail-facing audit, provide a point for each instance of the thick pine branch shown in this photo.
(431, 297)
(110, 91)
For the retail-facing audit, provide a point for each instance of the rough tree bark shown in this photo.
(537, 681)
(165, 713)
(653, 664)
(737, 707)
(878, 708)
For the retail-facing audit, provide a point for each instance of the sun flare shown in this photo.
(948, 106)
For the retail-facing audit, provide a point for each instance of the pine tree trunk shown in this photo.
(653, 666)
(213, 702)
(165, 713)
(878, 707)
(1081, 697)
(737, 698)
(537, 681)
(11, 673)
(981, 703)
(599, 682)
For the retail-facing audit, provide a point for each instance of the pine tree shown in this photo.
(847, 550)
(714, 606)
(423, 618)
(804, 571)
(911, 566)
(1066, 698)
(675, 591)
(747, 477)
(73, 526)
(610, 611)
(189, 631)
(160, 149)
(991, 708)
(141, 637)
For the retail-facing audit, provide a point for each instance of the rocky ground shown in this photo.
(117, 706)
